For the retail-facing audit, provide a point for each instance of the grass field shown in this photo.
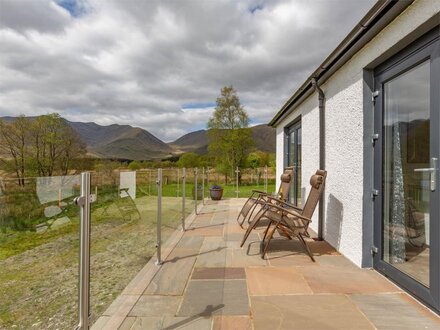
(39, 271)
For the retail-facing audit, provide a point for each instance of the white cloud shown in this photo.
(138, 62)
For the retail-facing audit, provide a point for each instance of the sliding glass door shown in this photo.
(406, 170)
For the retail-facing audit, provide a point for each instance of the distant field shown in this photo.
(39, 271)
(38, 286)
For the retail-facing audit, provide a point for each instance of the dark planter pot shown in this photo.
(216, 194)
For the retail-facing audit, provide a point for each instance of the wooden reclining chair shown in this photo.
(291, 221)
(259, 198)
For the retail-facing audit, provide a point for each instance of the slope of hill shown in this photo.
(121, 141)
(127, 142)
(264, 137)
(191, 141)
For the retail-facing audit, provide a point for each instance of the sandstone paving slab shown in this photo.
(244, 257)
(329, 279)
(335, 261)
(395, 311)
(228, 322)
(289, 260)
(121, 305)
(187, 323)
(321, 248)
(218, 273)
(138, 323)
(321, 312)
(220, 217)
(101, 322)
(174, 273)
(212, 253)
(276, 281)
(207, 230)
(189, 243)
(156, 306)
(171, 279)
(210, 297)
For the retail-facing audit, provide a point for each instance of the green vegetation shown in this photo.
(230, 139)
(39, 271)
(43, 146)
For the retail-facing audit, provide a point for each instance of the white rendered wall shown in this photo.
(344, 134)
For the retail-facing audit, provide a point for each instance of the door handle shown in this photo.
(433, 173)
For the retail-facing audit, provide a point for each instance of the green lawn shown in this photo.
(39, 271)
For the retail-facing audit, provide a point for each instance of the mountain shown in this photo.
(134, 143)
(192, 141)
(121, 141)
(264, 137)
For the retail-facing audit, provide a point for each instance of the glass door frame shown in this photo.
(296, 186)
(426, 48)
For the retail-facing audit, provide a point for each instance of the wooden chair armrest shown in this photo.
(291, 212)
(259, 192)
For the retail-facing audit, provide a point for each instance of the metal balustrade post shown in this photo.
(159, 216)
(177, 183)
(149, 182)
(265, 179)
(84, 255)
(195, 190)
(183, 197)
(236, 179)
(203, 185)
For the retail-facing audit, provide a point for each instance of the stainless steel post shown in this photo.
(195, 190)
(203, 185)
(159, 216)
(183, 197)
(265, 179)
(236, 178)
(149, 182)
(177, 183)
(84, 255)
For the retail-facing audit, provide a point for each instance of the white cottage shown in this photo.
(370, 116)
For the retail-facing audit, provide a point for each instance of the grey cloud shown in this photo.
(39, 15)
(137, 62)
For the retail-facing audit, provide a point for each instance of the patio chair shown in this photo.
(259, 198)
(292, 221)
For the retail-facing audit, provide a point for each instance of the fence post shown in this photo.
(84, 260)
(265, 179)
(203, 185)
(149, 182)
(177, 183)
(236, 179)
(159, 216)
(195, 190)
(183, 197)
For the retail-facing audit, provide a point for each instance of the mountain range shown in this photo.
(134, 143)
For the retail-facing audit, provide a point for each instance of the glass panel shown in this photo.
(406, 191)
(123, 230)
(294, 159)
(292, 162)
(39, 250)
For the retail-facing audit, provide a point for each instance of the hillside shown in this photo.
(121, 141)
(127, 142)
(264, 137)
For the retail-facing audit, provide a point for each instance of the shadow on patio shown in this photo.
(209, 282)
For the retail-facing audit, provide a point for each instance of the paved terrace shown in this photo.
(209, 282)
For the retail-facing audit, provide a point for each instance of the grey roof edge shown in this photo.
(379, 16)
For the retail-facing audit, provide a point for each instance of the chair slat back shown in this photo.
(285, 185)
(317, 182)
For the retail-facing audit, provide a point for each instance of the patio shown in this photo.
(208, 282)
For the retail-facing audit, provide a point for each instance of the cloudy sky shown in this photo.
(160, 64)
